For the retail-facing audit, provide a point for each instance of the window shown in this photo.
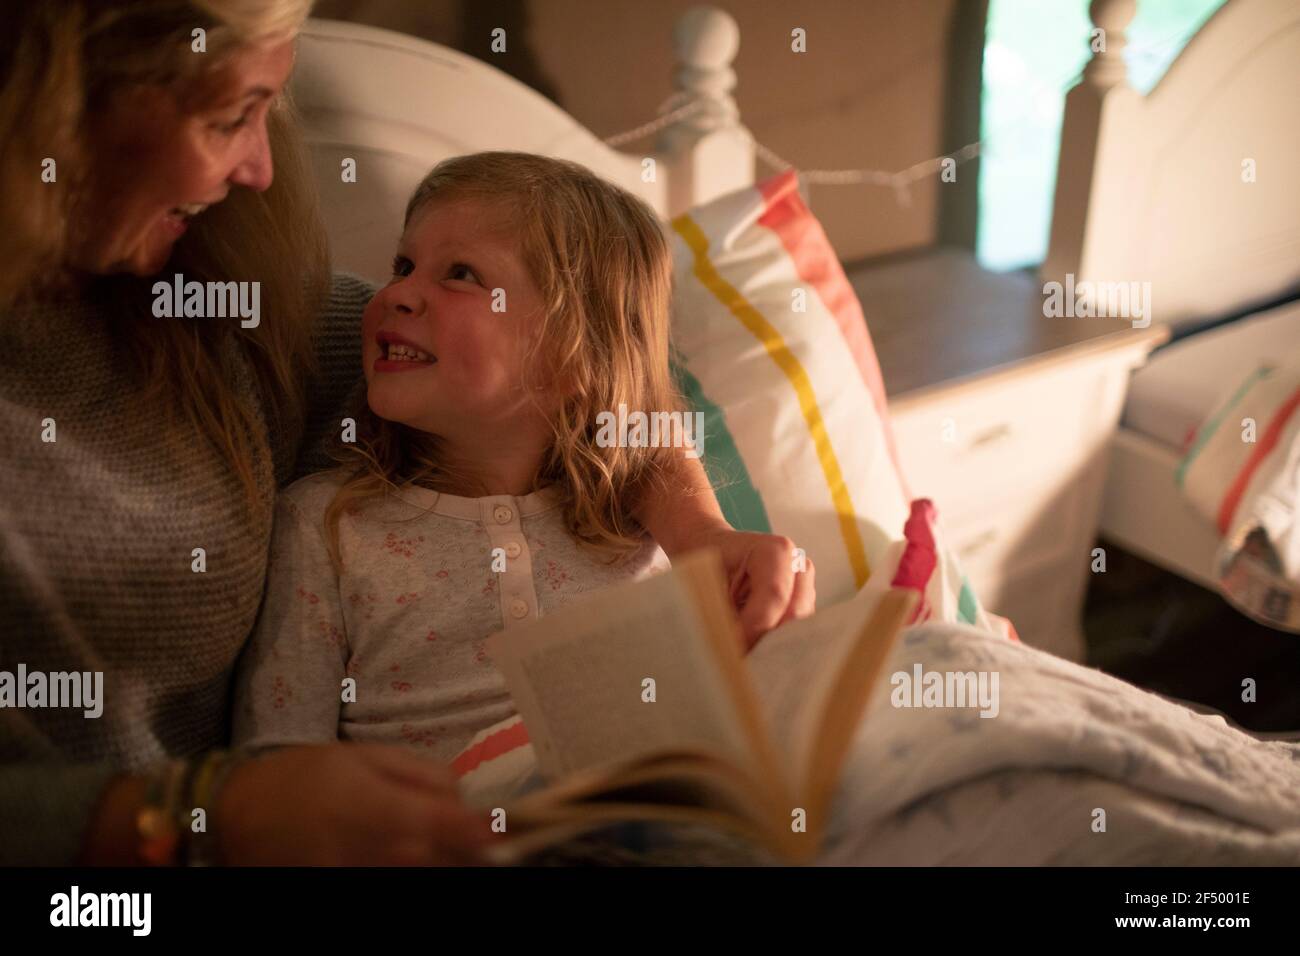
(1034, 51)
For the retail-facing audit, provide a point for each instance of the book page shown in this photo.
(622, 674)
(795, 668)
(860, 673)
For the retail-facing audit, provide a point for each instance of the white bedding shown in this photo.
(1177, 389)
(949, 787)
(946, 786)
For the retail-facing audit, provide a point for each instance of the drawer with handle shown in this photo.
(1015, 534)
(1031, 432)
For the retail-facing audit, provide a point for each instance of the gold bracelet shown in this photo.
(201, 847)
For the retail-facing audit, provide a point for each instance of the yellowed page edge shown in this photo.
(849, 697)
(708, 581)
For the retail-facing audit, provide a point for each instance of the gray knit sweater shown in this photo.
(97, 536)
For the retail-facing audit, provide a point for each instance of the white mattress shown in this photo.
(1170, 396)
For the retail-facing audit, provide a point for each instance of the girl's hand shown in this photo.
(770, 583)
(345, 804)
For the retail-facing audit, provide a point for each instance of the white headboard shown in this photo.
(1151, 188)
(397, 105)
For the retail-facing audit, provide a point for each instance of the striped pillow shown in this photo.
(772, 346)
(1242, 472)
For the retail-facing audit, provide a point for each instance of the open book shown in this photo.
(641, 707)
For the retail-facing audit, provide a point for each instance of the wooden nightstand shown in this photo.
(1004, 418)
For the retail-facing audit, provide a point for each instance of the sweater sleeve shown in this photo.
(46, 795)
(339, 384)
(288, 684)
(44, 810)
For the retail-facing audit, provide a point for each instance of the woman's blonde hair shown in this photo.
(601, 265)
(60, 62)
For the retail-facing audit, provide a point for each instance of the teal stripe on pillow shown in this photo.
(741, 503)
(967, 606)
(1206, 431)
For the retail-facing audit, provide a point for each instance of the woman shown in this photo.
(143, 453)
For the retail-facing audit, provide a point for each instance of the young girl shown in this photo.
(528, 296)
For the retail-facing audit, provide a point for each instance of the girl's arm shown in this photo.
(770, 583)
(288, 689)
(677, 520)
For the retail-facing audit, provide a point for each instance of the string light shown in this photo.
(900, 181)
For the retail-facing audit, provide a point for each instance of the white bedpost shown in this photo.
(707, 153)
(1098, 172)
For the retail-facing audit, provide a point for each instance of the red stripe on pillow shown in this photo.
(815, 261)
(1266, 445)
(490, 747)
(920, 555)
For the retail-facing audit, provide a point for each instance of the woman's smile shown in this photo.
(177, 219)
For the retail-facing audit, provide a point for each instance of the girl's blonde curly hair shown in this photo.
(602, 267)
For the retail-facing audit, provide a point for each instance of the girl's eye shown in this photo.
(402, 266)
(461, 272)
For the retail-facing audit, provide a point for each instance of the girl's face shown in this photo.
(157, 165)
(438, 356)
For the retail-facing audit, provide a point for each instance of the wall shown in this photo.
(869, 91)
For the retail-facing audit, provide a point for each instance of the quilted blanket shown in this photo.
(1076, 767)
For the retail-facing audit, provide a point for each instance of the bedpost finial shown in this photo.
(706, 38)
(705, 41)
(1110, 18)
(1112, 14)
(708, 150)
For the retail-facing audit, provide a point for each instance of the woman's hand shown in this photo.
(345, 804)
(770, 581)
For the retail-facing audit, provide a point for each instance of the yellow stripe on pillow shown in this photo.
(786, 361)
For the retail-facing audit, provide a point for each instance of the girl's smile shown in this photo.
(399, 354)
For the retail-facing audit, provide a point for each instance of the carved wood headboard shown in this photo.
(1194, 186)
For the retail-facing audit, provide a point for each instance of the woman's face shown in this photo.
(159, 165)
